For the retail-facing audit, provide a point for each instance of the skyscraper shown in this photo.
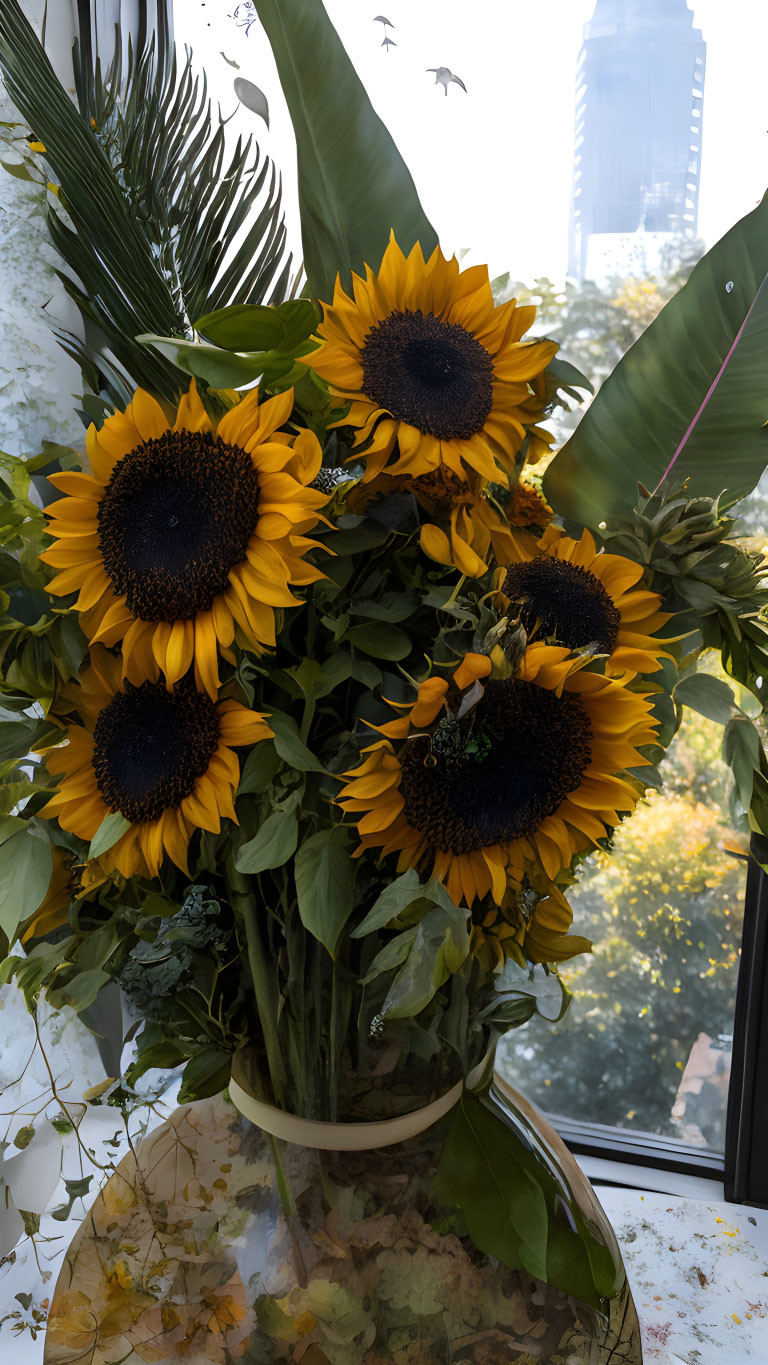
(639, 114)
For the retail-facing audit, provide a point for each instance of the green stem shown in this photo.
(307, 718)
(334, 1046)
(288, 1206)
(262, 973)
(452, 599)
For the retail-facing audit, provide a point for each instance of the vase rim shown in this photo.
(341, 1137)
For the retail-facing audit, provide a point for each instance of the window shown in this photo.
(667, 1008)
(646, 1044)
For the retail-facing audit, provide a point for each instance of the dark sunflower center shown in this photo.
(522, 750)
(151, 746)
(176, 517)
(565, 602)
(434, 375)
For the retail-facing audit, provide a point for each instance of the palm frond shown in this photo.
(162, 221)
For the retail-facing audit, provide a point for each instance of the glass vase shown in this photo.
(219, 1241)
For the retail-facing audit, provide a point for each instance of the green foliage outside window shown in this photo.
(664, 913)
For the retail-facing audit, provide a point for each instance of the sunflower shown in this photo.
(162, 759)
(528, 927)
(485, 776)
(427, 361)
(467, 522)
(186, 535)
(566, 592)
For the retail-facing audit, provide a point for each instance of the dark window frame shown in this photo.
(746, 1125)
(637, 1148)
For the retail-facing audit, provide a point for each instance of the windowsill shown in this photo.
(604, 1172)
(696, 1265)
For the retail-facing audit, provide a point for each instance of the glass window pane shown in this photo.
(600, 147)
(646, 1043)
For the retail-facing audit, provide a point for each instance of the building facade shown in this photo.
(638, 130)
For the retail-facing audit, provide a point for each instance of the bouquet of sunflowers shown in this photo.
(358, 685)
(331, 698)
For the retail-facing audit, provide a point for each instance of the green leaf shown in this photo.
(26, 865)
(395, 898)
(274, 844)
(260, 767)
(742, 751)
(521, 992)
(392, 606)
(78, 1186)
(315, 680)
(112, 828)
(499, 1198)
(289, 745)
(80, 991)
(219, 368)
(391, 955)
(245, 327)
(710, 337)
(357, 534)
(567, 374)
(204, 1075)
(20, 737)
(710, 697)
(325, 885)
(256, 327)
(427, 954)
(20, 170)
(438, 948)
(382, 641)
(155, 904)
(161, 1055)
(353, 184)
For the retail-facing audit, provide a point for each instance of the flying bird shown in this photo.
(444, 77)
(388, 43)
(381, 19)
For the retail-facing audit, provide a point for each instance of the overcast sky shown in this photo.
(493, 166)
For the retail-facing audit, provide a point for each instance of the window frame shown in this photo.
(746, 1125)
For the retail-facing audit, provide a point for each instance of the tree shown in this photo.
(665, 914)
(596, 323)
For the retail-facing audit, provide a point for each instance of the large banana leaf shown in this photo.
(353, 183)
(161, 225)
(689, 400)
